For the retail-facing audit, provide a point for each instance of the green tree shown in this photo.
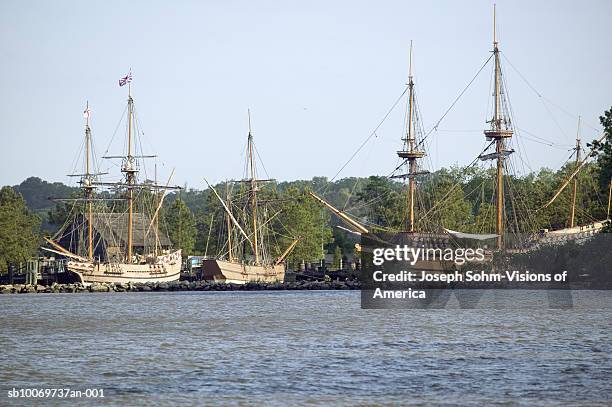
(448, 206)
(37, 192)
(341, 238)
(337, 257)
(484, 221)
(383, 201)
(181, 226)
(302, 217)
(59, 214)
(19, 228)
(603, 151)
(456, 212)
(211, 223)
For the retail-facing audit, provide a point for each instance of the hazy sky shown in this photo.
(318, 76)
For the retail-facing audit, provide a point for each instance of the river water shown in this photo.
(303, 347)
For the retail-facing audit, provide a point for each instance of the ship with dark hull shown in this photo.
(509, 235)
(246, 256)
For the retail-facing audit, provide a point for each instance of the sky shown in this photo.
(318, 77)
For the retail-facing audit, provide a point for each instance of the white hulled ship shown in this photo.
(114, 236)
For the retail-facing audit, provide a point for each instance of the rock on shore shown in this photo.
(178, 286)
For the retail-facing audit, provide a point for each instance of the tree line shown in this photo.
(457, 198)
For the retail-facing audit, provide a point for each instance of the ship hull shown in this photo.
(238, 273)
(166, 268)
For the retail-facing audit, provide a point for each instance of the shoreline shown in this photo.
(177, 286)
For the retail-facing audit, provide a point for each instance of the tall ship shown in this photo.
(114, 236)
(410, 232)
(506, 225)
(247, 255)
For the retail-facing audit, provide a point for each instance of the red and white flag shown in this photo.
(126, 79)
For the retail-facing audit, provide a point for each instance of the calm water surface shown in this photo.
(308, 348)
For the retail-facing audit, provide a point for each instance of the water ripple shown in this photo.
(309, 348)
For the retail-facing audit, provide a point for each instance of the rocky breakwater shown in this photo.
(177, 286)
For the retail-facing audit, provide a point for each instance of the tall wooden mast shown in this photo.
(411, 155)
(609, 199)
(253, 191)
(129, 168)
(411, 146)
(88, 186)
(500, 131)
(230, 252)
(575, 186)
(158, 199)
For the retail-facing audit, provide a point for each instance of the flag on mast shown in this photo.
(87, 113)
(126, 79)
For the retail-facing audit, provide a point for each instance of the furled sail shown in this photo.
(461, 235)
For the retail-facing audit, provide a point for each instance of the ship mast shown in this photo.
(499, 132)
(412, 161)
(575, 186)
(87, 185)
(129, 169)
(158, 200)
(411, 155)
(229, 225)
(609, 199)
(253, 181)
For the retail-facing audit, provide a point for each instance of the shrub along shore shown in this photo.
(178, 286)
